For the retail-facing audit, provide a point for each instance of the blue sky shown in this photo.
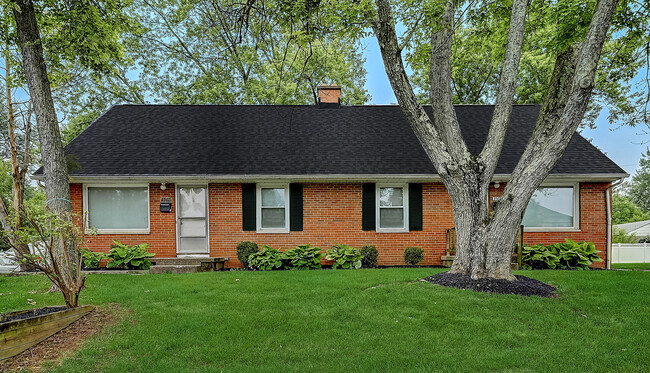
(623, 145)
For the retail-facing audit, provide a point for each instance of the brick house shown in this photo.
(194, 180)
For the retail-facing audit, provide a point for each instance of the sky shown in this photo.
(623, 145)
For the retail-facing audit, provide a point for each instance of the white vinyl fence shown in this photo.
(630, 253)
(7, 265)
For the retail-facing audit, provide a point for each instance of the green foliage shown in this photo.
(413, 255)
(344, 256)
(303, 257)
(34, 197)
(624, 210)
(620, 236)
(563, 255)
(92, 259)
(370, 255)
(479, 44)
(266, 259)
(639, 188)
(129, 257)
(244, 250)
(538, 257)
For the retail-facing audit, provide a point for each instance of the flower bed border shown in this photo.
(18, 335)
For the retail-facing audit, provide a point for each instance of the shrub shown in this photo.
(413, 255)
(91, 259)
(562, 255)
(620, 236)
(244, 250)
(266, 259)
(370, 255)
(344, 256)
(303, 257)
(129, 257)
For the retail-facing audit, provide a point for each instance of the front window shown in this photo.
(273, 209)
(391, 208)
(552, 207)
(118, 209)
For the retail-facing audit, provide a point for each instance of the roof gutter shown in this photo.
(315, 177)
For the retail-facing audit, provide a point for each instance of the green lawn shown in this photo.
(364, 320)
(637, 266)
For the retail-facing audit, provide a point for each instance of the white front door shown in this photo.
(192, 220)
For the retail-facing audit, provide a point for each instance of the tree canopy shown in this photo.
(639, 187)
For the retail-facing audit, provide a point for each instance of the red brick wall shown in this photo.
(332, 214)
(593, 221)
(162, 232)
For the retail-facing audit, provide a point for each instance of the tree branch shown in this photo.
(503, 107)
(436, 149)
(444, 115)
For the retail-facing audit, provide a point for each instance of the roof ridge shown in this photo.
(305, 105)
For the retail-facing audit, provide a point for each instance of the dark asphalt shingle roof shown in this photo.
(292, 140)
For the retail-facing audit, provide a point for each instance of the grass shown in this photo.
(364, 320)
(636, 266)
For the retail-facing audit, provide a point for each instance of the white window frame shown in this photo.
(89, 230)
(576, 209)
(378, 208)
(258, 208)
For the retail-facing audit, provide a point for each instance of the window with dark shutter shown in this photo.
(368, 207)
(295, 207)
(415, 207)
(248, 202)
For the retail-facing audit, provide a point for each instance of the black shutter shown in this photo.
(295, 207)
(248, 207)
(415, 207)
(368, 207)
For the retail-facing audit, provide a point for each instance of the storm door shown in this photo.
(192, 221)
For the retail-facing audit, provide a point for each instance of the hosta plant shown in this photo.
(538, 257)
(344, 256)
(91, 259)
(266, 259)
(129, 257)
(303, 257)
(562, 255)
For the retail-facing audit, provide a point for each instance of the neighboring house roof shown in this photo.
(186, 140)
(638, 228)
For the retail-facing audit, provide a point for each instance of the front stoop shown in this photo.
(186, 265)
(178, 268)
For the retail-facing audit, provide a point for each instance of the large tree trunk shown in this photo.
(485, 240)
(57, 188)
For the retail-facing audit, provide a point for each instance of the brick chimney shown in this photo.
(329, 94)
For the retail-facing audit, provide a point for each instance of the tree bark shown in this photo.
(485, 240)
(57, 188)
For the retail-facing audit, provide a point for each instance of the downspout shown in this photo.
(608, 201)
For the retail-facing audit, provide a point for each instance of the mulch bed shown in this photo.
(65, 341)
(524, 286)
(32, 313)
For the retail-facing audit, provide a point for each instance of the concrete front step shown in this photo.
(186, 261)
(178, 268)
(203, 264)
